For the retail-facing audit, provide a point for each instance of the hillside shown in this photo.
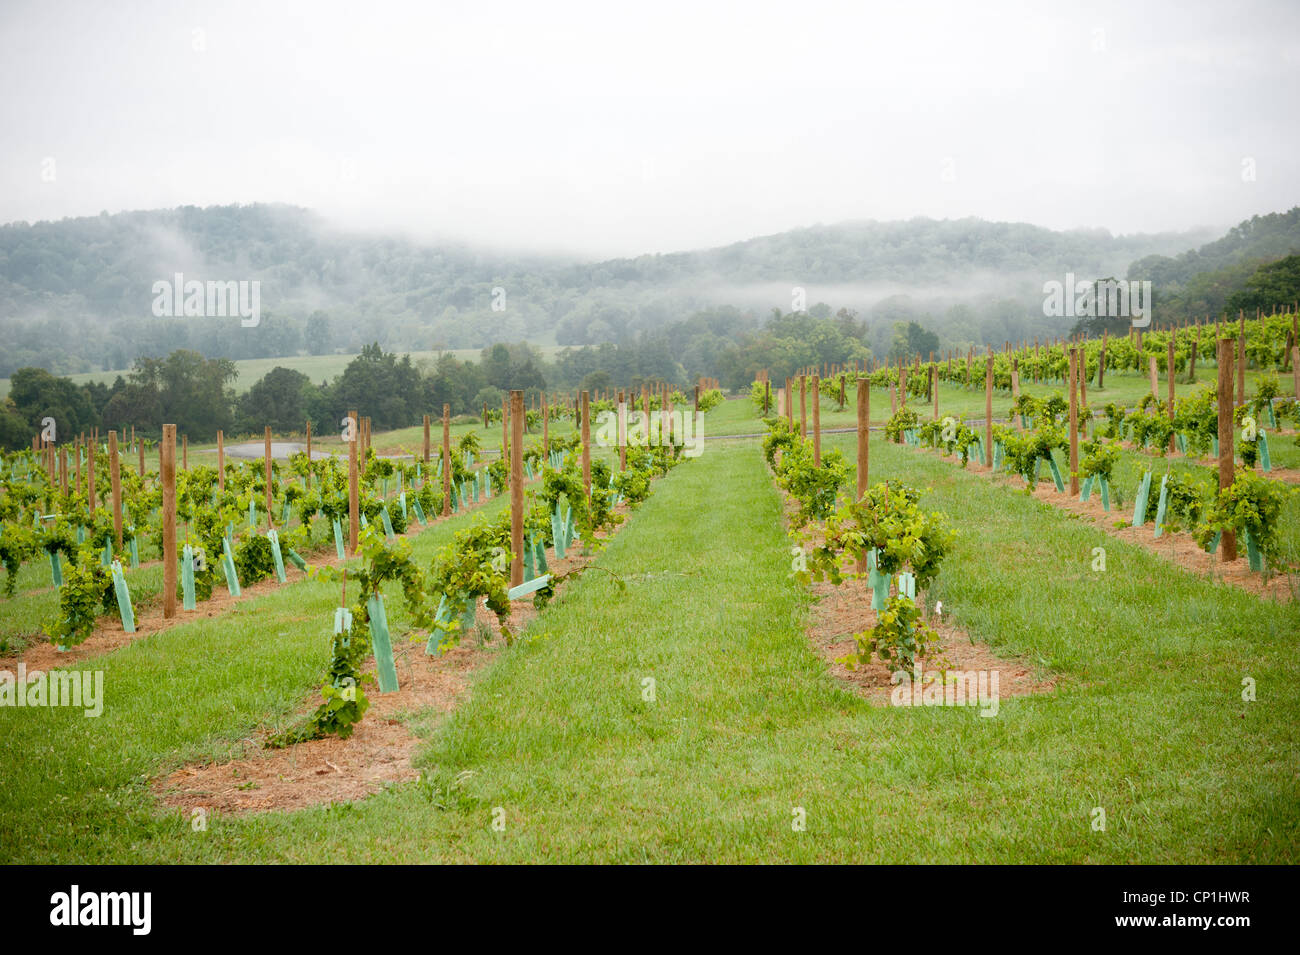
(76, 295)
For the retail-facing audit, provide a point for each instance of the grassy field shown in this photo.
(747, 724)
(316, 367)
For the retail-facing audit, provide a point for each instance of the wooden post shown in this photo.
(803, 406)
(1228, 540)
(517, 489)
(115, 475)
(167, 467)
(1155, 381)
(767, 397)
(1101, 361)
(221, 461)
(1240, 396)
(864, 434)
(426, 445)
(789, 402)
(988, 412)
(63, 470)
(817, 421)
(270, 502)
(446, 460)
(1074, 422)
(586, 443)
(90, 470)
(622, 431)
(1169, 360)
(185, 452)
(354, 492)
(76, 454)
(308, 454)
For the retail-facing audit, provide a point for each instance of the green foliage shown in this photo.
(898, 638)
(1251, 503)
(904, 419)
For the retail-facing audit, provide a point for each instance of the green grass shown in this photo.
(747, 724)
(315, 367)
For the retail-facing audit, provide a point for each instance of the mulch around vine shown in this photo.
(839, 612)
(1178, 547)
(379, 751)
(842, 611)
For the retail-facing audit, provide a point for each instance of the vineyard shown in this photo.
(1038, 604)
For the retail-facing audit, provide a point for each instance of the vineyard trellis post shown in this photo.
(446, 459)
(1074, 422)
(354, 520)
(308, 481)
(586, 443)
(803, 406)
(1228, 540)
(270, 503)
(115, 476)
(1173, 443)
(167, 469)
(1240, 396)
(864, 434)
(426, 450)
(622, 431)
(988, 412)
(90, 473)
(817, 421)
(517, 488)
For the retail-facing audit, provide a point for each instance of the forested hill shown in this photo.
(77, 294)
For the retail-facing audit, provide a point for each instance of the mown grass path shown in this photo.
(558, 739)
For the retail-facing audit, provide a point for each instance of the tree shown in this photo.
(281, 399)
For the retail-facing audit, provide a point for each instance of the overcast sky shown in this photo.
(613, 129)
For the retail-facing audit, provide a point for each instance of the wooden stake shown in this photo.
(988, 412)
(1228, 540)
(270, 501)
(517, 489)
(864, 434)
(354, 491)
(167, 465)
(446, 460)
(185, 452)
(1169, 360)
(90, 472)
(586, 443)
(115, 475)
(817, 421)
(426, 445)
(1074, 422)
(622, 431)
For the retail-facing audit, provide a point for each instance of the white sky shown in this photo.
(613, 129)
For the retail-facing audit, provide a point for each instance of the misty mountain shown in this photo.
(77, 294)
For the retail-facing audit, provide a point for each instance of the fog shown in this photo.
(599, 130)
